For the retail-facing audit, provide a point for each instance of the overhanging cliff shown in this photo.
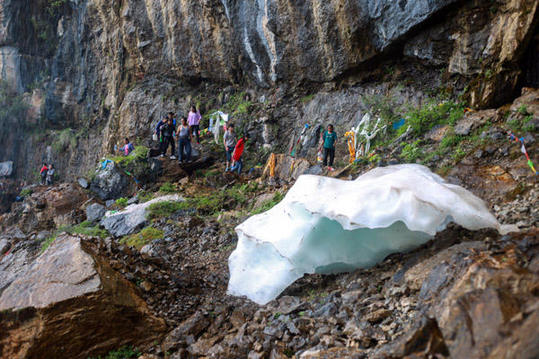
(88, 63)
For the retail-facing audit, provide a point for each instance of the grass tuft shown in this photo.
(139, 240)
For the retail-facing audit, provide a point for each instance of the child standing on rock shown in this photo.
(229, 140)
(128, 147)
(43, 173)
(50, 175)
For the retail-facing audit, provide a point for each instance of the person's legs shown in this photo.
(240, 165)
(195, 132)
(326, 154)
(228, 154)
(331, 156)
(164, 145)
(172, 146)
(181, 148)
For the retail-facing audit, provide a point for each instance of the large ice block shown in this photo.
(327, 225)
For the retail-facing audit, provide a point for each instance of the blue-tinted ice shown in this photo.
(325, 225)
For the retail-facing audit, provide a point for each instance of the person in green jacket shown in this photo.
(329, 139)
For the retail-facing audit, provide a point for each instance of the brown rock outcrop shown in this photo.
(48, 207)
(70, 303)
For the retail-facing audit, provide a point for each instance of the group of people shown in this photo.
(47, 174)
(189, 128)
(167, 129)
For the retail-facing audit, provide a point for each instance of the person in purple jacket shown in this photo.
(194, 121)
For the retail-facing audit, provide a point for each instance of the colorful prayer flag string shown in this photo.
(523, 150)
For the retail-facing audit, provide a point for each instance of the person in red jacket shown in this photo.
(43, 173)
(237, 162)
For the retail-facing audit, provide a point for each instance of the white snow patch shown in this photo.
(327, 225)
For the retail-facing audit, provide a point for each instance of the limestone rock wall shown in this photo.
(94, 60)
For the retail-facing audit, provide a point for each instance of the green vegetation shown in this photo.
(435, 111)
(521, 124)
(86, 228)
(122, 353)
(210, 173)
(140, 153)
(47, 242)
(237, 104)
(383, 107)
(63, 140)
(26, 192)
(54, 6)
(12, 109)
(523, 110)
(412, 151)
(268, 204)
(422, 119)
(306, 99)
(459, 153)
(122, 202)
(450, 141)
(139, 240)
(167, 188)
(144, 196)
(206, 204)
(164, 209)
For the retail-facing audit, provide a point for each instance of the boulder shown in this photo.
(15, 261)
(40, 310)
(473, 120)
(285, 167)
(437, 133)
(424, 339)
(110, 182)
(132, 218)
(6, 168)
(484, 304)
(83, 183)
(95, 212)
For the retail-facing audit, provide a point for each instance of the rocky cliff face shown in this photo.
(96, 71)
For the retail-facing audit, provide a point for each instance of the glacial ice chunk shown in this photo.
(326, 225)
